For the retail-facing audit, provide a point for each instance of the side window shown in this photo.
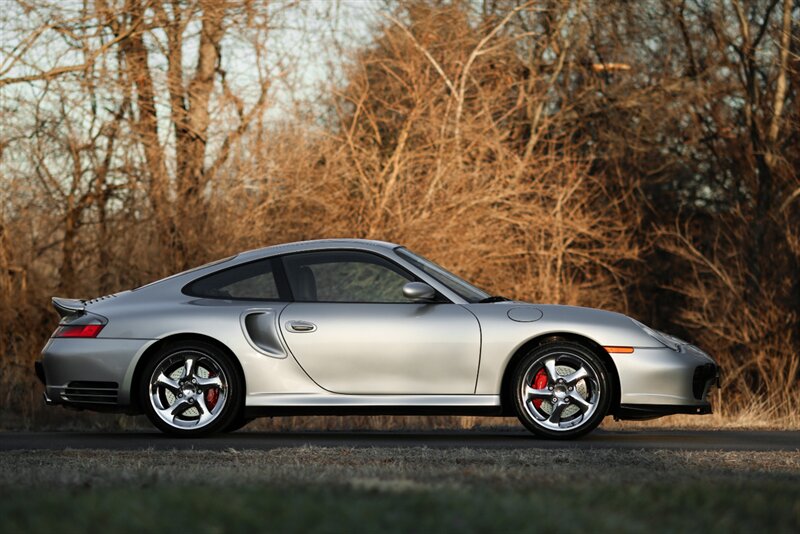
(249, 281)
(344, 276)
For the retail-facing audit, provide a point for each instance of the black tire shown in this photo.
(581, 414)
(238, 423)
(208, 355)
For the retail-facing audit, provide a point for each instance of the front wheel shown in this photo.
(191, 389)
(238, 423)
(561, 390)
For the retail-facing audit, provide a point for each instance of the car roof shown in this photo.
(317, 244)
(180, 279)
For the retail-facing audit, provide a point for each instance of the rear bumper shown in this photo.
(92, 374)
(38, 368)
(661, 381)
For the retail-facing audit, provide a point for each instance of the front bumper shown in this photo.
(661, 381)
(89, 373)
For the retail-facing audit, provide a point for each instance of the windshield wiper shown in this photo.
(495, 298)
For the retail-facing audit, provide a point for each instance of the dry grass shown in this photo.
(312, 489)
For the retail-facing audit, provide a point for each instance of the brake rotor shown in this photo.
(540, 382)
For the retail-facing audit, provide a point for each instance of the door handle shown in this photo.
(300, 326)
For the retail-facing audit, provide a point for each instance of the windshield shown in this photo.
(455, 284)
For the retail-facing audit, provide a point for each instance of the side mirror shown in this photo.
(419, 292)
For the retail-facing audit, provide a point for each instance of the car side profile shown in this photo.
(349, 326)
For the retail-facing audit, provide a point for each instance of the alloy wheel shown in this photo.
(560, 391)
(188, 389)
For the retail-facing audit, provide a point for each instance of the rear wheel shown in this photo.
(561, 390)
(191, 389)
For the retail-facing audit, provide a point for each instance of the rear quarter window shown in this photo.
(250, 281)
(193, 269)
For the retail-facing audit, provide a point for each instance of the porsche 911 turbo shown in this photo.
(350, 326)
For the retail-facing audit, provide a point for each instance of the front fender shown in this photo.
(502, 337)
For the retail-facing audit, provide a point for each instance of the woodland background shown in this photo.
(637, 156)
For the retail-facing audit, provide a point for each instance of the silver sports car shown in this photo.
(350, 326)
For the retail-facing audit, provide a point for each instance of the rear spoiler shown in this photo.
(66, 307)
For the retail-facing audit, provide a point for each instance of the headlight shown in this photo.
(667, 340)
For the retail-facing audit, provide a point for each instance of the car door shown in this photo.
(353, 331)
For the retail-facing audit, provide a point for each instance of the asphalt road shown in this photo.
(725, 440)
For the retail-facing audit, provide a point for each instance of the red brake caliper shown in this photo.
(212, 395)
(539, 382)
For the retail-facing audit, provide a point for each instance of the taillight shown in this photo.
(82, 330)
